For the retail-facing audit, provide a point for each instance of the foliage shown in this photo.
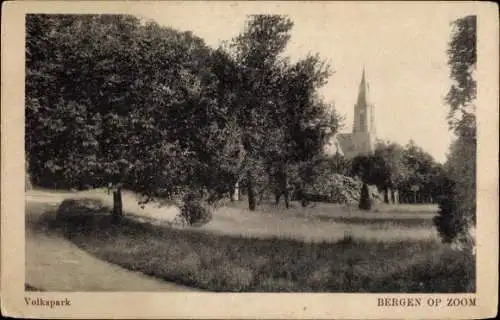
(393, 166)
(365, 202)
(66, 93)
(282, 120)
(458, 206)
(449, 222)
(112, 101)
(79, 211)
(423, 173)
(340, 164)
(462, 58)
(194, 210)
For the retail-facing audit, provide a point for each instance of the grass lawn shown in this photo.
(219, 262)
(326, 222)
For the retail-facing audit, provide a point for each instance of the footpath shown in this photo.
(53, 263)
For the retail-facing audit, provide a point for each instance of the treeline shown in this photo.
(113, 101)
(408, 170)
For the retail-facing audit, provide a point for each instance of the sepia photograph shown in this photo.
(217, 149)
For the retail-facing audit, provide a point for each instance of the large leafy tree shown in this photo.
(384, 168)
(257, 54)
(188, 125)
(282, 120)
(390, 160)
(462, 58)
(423, 174)
(109, 100)
(305, 119)
(458, 207)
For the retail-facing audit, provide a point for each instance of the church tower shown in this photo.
(363, 109)
(363, 132)
(363, 136)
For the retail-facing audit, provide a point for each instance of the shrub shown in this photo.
(78, 209)
(195, 210)
(365, 202)
(448, 221)
(457, 206)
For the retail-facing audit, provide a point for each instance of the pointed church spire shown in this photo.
(361, 117)
(363, 136)
(363, 90)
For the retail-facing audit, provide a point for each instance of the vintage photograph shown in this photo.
(262, 152)
(249, 159)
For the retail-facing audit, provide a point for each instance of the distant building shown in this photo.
(363, 137)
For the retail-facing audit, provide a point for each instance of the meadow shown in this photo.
(322, 248)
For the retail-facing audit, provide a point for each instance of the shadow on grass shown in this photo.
(229, 263)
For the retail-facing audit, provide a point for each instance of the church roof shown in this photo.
(346, 143)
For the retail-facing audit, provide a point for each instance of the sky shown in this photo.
(401, 46)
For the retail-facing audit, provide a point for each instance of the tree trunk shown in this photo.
(285, 190)
(117, 204)
(365, 201)
(396, 196)
(301, 196)
(235, 194)
(386, 195)
(277, 196)
(251, 193)
(27, 182)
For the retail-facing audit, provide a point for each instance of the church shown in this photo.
(363, 137)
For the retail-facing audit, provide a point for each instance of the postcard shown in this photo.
(248, 159)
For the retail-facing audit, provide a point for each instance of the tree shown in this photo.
(423, 173)
(458, 206)
(112, 101)
(256, 53)
(391, 168)
(307, 122)
(109, 100)
(281, 119)
(462, 58)
(75, 108)
(363, 166)
(365, 203)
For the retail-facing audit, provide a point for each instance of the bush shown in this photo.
(448, 222)
(451, 221)
(457, 206)
(78, 209)
(336, 188)
(195, 210)
(365, 203)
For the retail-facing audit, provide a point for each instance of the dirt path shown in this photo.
(55, 264)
